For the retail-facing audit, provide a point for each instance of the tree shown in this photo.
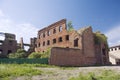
(21, 53)
(46, 54)
(70, 26)
(35, 55)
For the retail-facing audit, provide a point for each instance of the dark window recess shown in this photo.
(60, 28)
(103, 51)
(39, 45)
(35, 45)
(60, 39)
(1, 51)
(76, 42)
(112, 49)
(44, 43)
(119, 48)
(54, 31)
(54, 41)
(67, 37)
(10, 42)
(43, 34)
(48, 33)
(9, 51)
(48, 42)
(115, 48)
(39, 36)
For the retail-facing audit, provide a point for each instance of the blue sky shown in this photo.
(25, 17)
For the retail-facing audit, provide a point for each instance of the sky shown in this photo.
(25, 17)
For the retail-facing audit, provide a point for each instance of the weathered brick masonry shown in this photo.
(76, 48)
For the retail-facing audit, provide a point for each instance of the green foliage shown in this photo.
(70, 26)
(15, 70)
(100, 38)
(105, 75)
(21, 53)
(35, 55)
(46, 54)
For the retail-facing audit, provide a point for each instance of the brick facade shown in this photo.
(76, 48)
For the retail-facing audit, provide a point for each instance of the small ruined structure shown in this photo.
(71, 48)
(114, 55)
(8, 44)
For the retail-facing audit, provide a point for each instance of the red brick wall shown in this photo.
(69, 57)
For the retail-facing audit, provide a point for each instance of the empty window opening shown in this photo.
(39, 36)
(10, 42)
(54, 41)
(67, 37)
(54, 31)
(112, 49)
(115, 48)
(44, 43)
(48, 42)
(76, 42)
(43, 34)
(60, 39)
(1, 51)
(39, 45)
(9, 51)
(103, 51)
(60, 28)
(119, 48)
(48, 33)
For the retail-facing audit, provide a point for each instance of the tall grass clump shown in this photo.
(15, 70)
(104, 75)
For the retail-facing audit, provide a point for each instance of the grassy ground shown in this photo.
(103, 75)
(9, 71)
(47, 72)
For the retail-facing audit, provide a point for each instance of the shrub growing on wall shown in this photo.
(70, 26)
(100, 38)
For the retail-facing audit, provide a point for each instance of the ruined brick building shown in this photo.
(8, 44)
(71, 48)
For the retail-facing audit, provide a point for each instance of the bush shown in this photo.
(21, 53)
(35, 55)
(46, 54)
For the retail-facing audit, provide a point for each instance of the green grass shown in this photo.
(15, 70)
(103, 75)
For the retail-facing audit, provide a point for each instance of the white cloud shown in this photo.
(114, 35)
(25, 30)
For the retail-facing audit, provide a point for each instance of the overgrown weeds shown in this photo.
(104, 75)
(15, 70)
